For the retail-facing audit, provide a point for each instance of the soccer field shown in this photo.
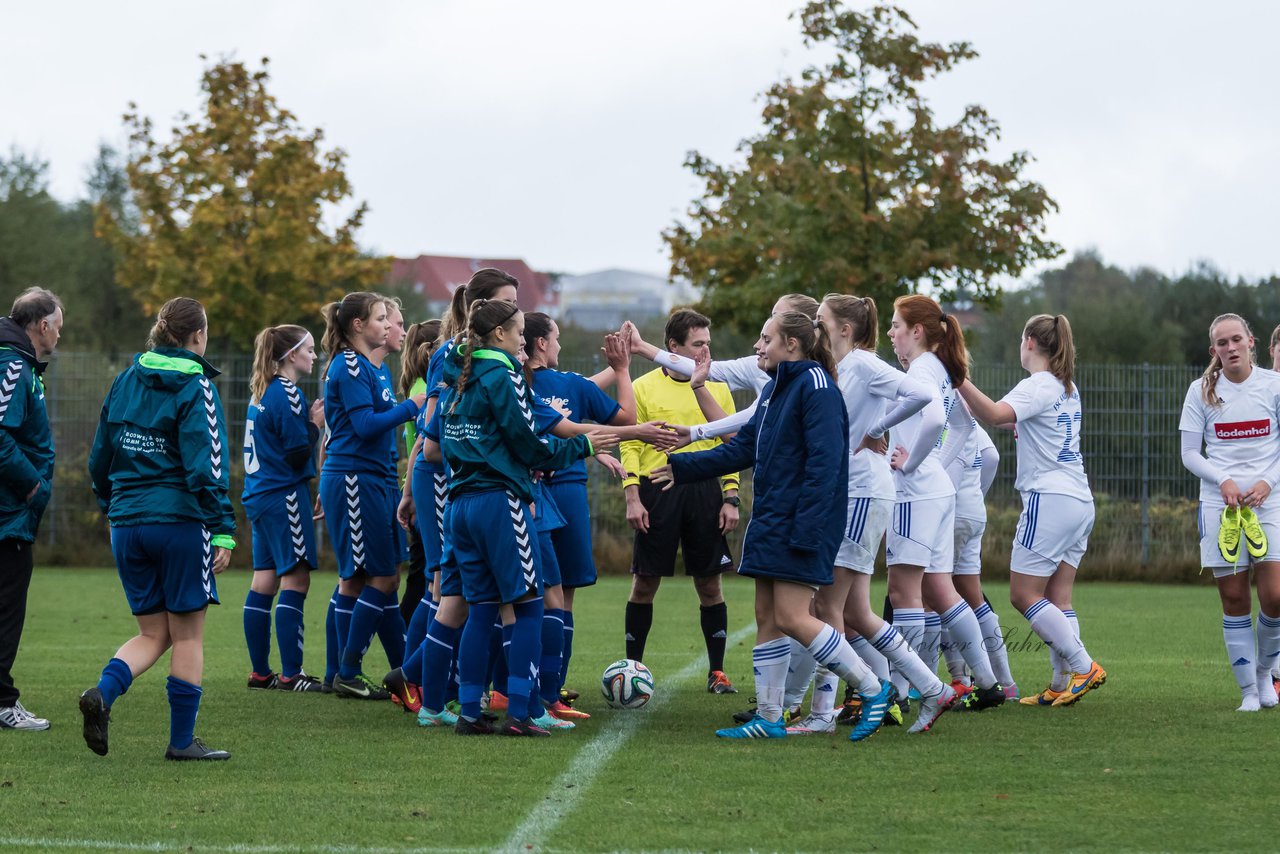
(1157, 759)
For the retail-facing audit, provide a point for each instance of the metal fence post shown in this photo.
(1146, 462)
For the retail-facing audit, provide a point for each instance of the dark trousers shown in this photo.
(15, 579)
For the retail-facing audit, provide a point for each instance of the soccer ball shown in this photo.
(626, 684)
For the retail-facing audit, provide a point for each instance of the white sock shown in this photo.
(769, 663)
(1070, 614)
(825, 685)
(909, 623)
(955, 661)
(799, 675)
(967, 635)
(931, 641)
(1237, 633)
(878, 663)
(993, 642)
(1061, 671)
(1053, 628)
(834, 653)
(890, 643)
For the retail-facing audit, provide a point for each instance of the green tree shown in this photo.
(853, 186)
(231, 210)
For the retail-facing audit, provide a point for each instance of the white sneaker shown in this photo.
(931, 708)
(16, 717)
(813, 725)
(1267, 697)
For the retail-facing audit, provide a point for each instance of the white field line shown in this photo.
(564, 793)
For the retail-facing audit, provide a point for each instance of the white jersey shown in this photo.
(1242, 435)
(970, 503)
(868, 385)
(740, 374)
(1049, 423)
(930, 480)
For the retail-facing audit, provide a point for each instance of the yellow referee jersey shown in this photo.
(659, 397)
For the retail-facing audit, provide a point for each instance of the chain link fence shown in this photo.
(1146, 499)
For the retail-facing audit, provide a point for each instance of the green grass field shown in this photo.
(1149, 762)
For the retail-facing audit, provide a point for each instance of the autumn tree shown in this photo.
(231, 210)
(854, 186)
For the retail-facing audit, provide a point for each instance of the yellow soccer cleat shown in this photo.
(1255, 539)
(1081, 684)
(1044, 698)
(1229, 534)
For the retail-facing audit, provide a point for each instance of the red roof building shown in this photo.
(434, 278)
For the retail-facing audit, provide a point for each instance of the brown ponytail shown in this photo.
(339, 317)
(270, 348)
(859, 313)
(1052, 336)
(483, 284)
(812, 336)
(802, 303)
(485, 318)
(942, 333)
(419, 343)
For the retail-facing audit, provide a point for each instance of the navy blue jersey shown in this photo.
(389, 388)
(584, 402)
(278, 441)
(362, 414)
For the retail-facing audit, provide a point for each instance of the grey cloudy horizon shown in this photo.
(556, 131)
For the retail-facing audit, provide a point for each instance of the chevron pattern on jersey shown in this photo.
(355, 519)
(524, 539)
(215, 441)
(7, 385)
(295, 396)
(294, 510)
(522, 397)
(353, 364)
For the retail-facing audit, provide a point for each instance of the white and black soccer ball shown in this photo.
(626, 684)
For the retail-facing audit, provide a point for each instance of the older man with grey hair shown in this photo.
(28, 337)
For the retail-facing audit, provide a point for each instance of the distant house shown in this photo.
(602, 300)
(434, 278)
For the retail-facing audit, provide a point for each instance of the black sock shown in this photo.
(715, 630)
(888, 610)
(639, 621)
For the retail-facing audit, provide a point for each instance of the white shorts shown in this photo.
(1209, 518)
(864, 529)
(1052, 529)
(969, 545)
(923, 534)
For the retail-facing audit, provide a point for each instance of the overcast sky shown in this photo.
(556, 130)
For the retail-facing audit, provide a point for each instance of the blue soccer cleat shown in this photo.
(874, 710)
(757, 727)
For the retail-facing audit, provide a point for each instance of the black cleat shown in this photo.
(525, 728)
(195, 751)
(263, 683)
(981, 698)
(96, 717)
(301, 684)
(359, 688)
(465, 726)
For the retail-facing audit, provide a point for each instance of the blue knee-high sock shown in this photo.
(552, 653)
(391, 631)
(332, 649)
(454, 685)
(473, 657)
(498, 638)
(412, 666)
(365, 617)
(568, 647)
(289, 631)
(523, 654)
(342, 612)
(437, 664)
(184, 705)
(257, 631)
(418, 625)
(115, 681)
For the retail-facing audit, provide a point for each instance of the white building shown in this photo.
(602, 300)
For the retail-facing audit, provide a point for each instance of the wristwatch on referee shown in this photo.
(733, 501)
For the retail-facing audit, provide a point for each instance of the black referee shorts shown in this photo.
(685, 517)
